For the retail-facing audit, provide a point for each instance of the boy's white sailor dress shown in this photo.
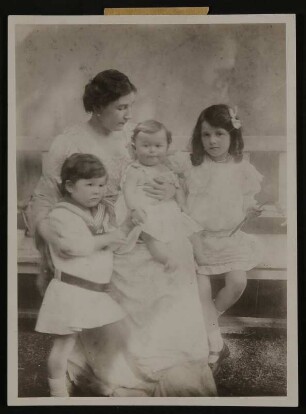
(77, 297)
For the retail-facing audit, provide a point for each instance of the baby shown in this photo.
(162, 221)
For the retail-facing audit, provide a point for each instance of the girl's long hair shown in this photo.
(217, 116)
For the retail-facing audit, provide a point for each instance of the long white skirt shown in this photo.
(161, 348)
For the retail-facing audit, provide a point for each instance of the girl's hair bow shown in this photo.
(233, 115)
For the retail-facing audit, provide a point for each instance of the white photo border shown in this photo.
(292, 356)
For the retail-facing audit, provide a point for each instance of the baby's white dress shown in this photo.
(69, 308)
(165, 221)
(218, 197)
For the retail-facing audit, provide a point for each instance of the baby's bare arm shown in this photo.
(129, 188)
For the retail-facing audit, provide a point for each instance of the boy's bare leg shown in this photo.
(57, 364)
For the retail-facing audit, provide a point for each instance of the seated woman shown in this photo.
(160, 348)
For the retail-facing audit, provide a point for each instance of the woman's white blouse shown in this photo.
(112, 151)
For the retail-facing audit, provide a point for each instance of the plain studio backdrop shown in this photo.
(177, 69)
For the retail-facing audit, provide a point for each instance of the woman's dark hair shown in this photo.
(106, 87)
(150, 127)
(217, 116)
(81, 166)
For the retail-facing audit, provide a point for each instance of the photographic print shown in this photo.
(152, 210)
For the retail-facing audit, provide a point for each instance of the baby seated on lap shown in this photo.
(161, 222)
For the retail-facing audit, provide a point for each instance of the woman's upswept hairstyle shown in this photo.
(218, 116)
(106, 87)
(150, 127)
(81, 166)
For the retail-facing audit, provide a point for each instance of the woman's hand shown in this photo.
(160, 190)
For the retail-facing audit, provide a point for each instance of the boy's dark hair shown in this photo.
(81, 166)
(217, 116)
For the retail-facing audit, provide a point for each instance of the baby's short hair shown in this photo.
(150, 127)
(81, 166)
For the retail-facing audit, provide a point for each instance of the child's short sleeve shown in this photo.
(75, 236)
(251, 184)
(179, 162)
(251, 179)
(61, 148)
(131, 168)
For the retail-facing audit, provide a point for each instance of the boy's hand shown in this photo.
(116, 237)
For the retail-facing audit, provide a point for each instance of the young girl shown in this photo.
(221, 188)
(76, 297)
(162, 221)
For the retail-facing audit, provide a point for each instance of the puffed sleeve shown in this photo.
(251, 184)
(61, 148)
(179, 162)
(76, 238)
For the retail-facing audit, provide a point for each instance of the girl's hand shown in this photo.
(138, 216)
(253, 212)
(160, 190)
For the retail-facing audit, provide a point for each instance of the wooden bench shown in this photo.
(247, 313)
(267, 282)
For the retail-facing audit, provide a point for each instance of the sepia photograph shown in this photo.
(152, 210)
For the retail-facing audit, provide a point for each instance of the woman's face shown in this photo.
(216, 141)
(115, 115)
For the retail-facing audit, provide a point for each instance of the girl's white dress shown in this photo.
(165, 221)
(218, 197)
(68, 308)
